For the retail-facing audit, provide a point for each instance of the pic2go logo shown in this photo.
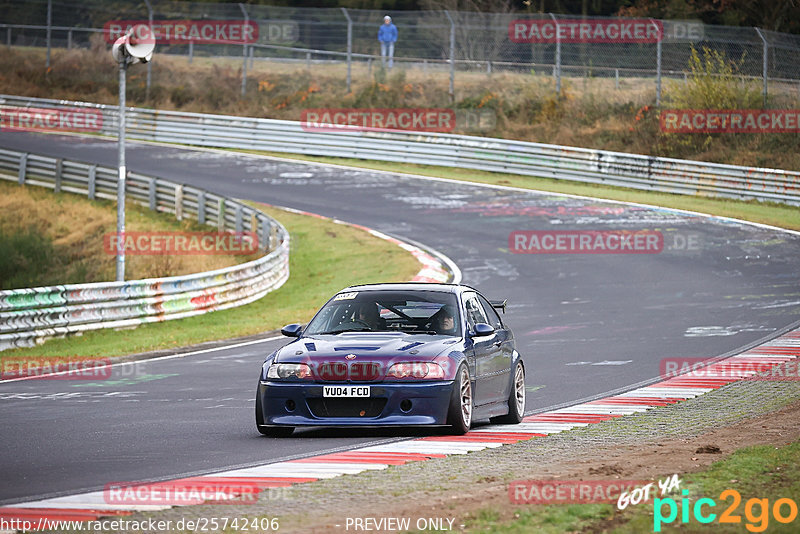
(756, 511)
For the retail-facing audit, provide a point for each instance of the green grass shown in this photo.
(770, 213)
(761, 472)
(325, 257)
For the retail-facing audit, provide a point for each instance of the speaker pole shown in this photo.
(123, 67)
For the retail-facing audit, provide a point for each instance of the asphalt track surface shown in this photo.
(586, 324)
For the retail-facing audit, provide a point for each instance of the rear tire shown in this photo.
(266, 430)
(516, 399)
(459, 415)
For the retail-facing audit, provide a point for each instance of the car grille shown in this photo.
(355, 372)
(357, 407)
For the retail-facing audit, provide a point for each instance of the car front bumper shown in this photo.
(389, 404)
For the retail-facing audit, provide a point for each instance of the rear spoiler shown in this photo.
(499, 304)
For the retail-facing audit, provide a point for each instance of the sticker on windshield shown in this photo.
(345, 296)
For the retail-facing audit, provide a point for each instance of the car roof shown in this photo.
(411, 286)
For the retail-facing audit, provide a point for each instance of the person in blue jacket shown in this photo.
(387, 36)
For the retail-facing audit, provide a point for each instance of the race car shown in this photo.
(410, 354)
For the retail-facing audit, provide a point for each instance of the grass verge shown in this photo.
(763, 473)
(50, 239)
(771, 213)
(325, 257)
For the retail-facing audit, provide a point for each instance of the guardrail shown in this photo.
(29, 316)
(497, 155)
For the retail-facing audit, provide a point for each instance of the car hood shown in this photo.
(385, 348)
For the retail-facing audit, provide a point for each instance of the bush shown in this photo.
(22, 256)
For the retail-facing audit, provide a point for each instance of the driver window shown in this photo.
(474, 310)
(494, 318)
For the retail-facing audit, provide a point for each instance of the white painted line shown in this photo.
(611, 409)
(94, 500)
(436, 447)
(167, 357)
(532, 427)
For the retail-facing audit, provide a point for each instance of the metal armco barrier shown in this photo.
(28, 316)
(498, 155)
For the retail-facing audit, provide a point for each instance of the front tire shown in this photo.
(266, 430)
(516, 399)
(459, 415)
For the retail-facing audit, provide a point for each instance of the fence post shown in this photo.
(349, 45)
(49, 25)
(59, 173)
(201, 207)
(23, 167)
(69, 40)
(658, 64)
(557, 66)
(179, 202)
(149, 63)
(92, 181)
(8, 36)
(191, 51)
(244, 52)
(764, 62)
(151, 194)
(308, 60)
(452, 55)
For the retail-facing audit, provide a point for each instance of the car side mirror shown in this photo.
(483, 329)
(292, 330)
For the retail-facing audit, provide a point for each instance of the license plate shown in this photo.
(345, 391)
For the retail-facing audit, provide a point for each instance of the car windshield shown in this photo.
(422, 312)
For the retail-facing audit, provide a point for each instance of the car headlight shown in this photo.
(424, 370)
(289, 370)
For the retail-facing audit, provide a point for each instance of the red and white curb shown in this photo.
(236, 483)
(436, 270)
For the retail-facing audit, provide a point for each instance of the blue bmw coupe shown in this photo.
(405, 354)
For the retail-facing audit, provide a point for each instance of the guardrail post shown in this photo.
(8, 36)
(238, 213)
(616, 78)
(92, 181)
(191, 51)
(557, 66)
(179, 202)
(59, 173)
(263, 236)
(201, 207)
(151, 195)
(69, 39)
(764, 65)
(221, 215)
(23, 168)
(349, 45)
(308, 60)
(244, 52)
(452, 56)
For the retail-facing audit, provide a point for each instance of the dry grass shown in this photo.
(592, 112)
(72, 229)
